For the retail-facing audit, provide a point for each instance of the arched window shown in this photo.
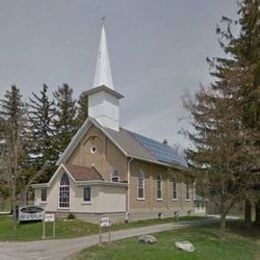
(159, 186)
(140, 185)
(64, 198)
(188, 189)
(115, 176)
(174, 189)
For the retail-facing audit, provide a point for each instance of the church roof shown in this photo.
(144, 147)
(131, 145)
(80, 173)
(103, 88)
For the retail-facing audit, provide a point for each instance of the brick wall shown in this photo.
(106, 158)
(150, 204)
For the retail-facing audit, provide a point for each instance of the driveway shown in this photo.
(65, 248)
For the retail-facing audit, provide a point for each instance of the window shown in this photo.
(115, 176)
(187, 190)
(64, 199)
(44, 194)
(93, 149)
(193, 189)
(174, 189)
(87, 194)
(140, 185)
(159, 187)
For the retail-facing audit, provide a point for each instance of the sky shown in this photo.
(157, 48)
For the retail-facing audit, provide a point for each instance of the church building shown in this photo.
(110, 171)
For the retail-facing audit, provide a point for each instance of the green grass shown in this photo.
(149, 222)
(67, 228)
(239, 244)
(33, 230)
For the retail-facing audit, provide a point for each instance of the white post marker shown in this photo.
(48, 217)
(105, 223)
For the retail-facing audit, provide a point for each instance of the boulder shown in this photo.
(147, 239)
(185, 246)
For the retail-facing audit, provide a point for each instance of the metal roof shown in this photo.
(138, 145)
(162, 152)
(103, 75)
(131, 144)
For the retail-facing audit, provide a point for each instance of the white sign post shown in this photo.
(48, 217)
(105, 223)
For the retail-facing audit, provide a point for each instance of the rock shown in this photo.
(185, 246)
(147, 239)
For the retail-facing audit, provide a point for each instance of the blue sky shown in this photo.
(158, 52)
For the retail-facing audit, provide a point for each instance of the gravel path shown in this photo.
(65, 248)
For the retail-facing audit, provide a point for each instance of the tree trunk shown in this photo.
(257, 212)
(222, 225)
(13, 194)
(248, 213)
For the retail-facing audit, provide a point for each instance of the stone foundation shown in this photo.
(117, 217)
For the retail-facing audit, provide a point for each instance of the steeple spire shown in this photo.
(103, 74)
(103, 100)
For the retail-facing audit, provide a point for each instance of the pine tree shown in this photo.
(41, 113)
(65, 122)
(13, 133)
(82, 108)
(245, 51)
(223, 153)
(226, 149)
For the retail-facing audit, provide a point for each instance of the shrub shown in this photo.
(71, 216)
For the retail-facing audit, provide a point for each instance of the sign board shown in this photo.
(30, 213)
(105, 222)
(49, 218)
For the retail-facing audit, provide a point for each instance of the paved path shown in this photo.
(65, 248)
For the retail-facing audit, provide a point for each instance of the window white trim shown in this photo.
(83, 197)
(187, 191)
(141, 178)
(93, 149)
(86, 202)
(115, 175)
(45, 200)
(159, 188)
(64, 188)
(175, 189)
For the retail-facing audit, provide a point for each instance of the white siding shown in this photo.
(104, 107)
(103, 198)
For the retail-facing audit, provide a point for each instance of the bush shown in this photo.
(71, 216)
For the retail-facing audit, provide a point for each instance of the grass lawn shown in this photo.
(149, 222)
(33, 231)
(239, 244)
(67, 228)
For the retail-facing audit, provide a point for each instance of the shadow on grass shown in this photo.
(239, 227)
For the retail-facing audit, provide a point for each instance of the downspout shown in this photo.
(181, 195)
(128, 190)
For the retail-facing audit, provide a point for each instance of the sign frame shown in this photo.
(30, 213)
(48, 218)
(105, 223)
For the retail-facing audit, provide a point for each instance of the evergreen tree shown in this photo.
(245, 51)
(41, 113)
(225, 115)
(65, 122)
(82, 108)
(13, 135)
(223, 153)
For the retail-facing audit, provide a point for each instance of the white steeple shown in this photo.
(103, 100)
(103, 74)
